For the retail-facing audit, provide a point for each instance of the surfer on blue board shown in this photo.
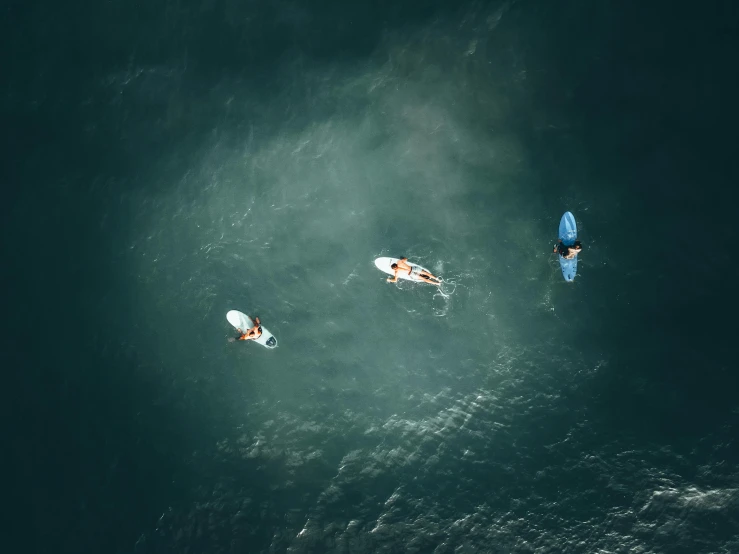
(412, 270)
(253, 333)
(567, 252)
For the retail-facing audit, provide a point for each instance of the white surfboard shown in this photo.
(383, 264)
(244, 322)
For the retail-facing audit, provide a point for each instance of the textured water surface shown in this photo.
(229, 167)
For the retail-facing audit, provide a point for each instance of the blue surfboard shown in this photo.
(568, 236)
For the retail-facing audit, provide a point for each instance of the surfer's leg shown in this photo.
(429, 278)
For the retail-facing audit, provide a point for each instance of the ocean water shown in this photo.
(168, 162)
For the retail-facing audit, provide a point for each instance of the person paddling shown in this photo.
(253, 333)
(414, 271)
(567, 252)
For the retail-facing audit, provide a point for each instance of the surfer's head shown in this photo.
(394, 266)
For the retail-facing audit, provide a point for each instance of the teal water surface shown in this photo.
(167, 163)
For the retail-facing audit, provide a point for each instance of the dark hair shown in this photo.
(578, 244)
(394, 266)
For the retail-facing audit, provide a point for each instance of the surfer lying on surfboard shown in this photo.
(413, 271)
(253, 333)
(567, 252)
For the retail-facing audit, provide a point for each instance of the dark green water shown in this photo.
(167, 162)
